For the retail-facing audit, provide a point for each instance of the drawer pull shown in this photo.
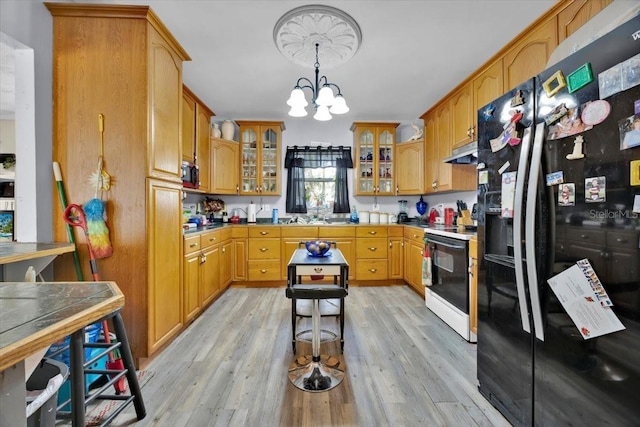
(416, 236)
(264, 233)
(373, 249)
(318, 269)
(263, 271)
(212, 239)
(373, 232)
(193, 245)
(264, 249)
(373, 270)
(203, 259)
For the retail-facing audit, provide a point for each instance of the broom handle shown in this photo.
(63, 201)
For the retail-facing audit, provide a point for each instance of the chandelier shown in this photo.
(322, 98)
(309, 30)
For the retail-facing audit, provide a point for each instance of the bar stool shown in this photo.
(316, 373)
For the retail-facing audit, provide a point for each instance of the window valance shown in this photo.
(318, 157)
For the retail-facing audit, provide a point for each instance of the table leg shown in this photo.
(13, 396)
(76, 360)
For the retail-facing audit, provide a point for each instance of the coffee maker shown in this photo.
(403, 216)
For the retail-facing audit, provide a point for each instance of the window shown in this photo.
(320, 189)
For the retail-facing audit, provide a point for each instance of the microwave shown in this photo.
(190, 175)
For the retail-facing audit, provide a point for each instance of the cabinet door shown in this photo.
(165, 97)
(410, 168)
(240, 260)
(365, 163)
(226, 264)
(529, 55)
(164, 257)
(270, 160)
(443, 147)
(395, 267)
(462, 114)
(415, 259)
(203, 146)
(487, 86)
(250, 159)
(225, 161)
(260, 146)
(576, 14)
(188, 127)
(190, 283)
(348, 249)
(384, 168)
(210, 274)
(430, 153)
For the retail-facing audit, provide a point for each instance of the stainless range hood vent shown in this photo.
(465, 155)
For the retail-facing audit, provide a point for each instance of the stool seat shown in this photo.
(316, 291)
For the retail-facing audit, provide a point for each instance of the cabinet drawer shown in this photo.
(311, 270)
(264, 270)
(594, 237)
(225, 233)
(331, 232)
(372, 248)
(264, 249)
(239, 231)
(302, 232)
(371, 231)
(371, 270)
(191, 244)
(263, 231)
(209, 239)
(618, 239)
(395, 231)
(414, 233)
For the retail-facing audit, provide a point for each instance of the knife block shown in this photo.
(465, 218)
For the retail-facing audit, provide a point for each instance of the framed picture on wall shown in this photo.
(6, 226)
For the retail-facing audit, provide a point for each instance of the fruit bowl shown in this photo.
(318, 248)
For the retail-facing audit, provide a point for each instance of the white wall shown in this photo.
(7, 136)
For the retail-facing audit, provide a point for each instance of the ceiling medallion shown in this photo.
(298, 31)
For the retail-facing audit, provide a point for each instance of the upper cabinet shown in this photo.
(410, 166)
(374, 149)
(528, 56)
(576, 14)
(196, 128)
(462, 116)
(487, 86)
(260, 147)
(225, 161)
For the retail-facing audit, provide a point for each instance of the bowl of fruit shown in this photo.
(318, 248)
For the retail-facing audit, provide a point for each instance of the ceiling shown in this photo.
(412, 52)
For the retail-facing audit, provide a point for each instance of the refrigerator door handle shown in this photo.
(517, 228)
(530, 228)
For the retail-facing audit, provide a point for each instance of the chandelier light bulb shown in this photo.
(297, 98)
(325, 97)
(322, 114)
(297, 111)
(339, 105)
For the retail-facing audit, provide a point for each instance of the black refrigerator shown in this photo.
(558, 178)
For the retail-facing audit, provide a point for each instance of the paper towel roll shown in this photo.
(251, 213)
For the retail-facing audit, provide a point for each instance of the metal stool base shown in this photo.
(319, 376)
(325, 335)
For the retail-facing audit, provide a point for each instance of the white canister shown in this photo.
(227, 129)
(364, 217)
(374, 218)
(384, 218)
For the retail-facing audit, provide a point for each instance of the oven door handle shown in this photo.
(448, 245)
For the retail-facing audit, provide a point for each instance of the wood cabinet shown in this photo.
(240, 235)
(413, 255)
(395, 262)
(210, 267)
(473, 286)
(264, 253)
(191, 277)
(142, 151)
(462, 116)
(410, 168)
(372, 252)
(226, 259)
(487, 86)
(260, 148)
(374, 163)
(196, 130)
(225, 163)
(576, 14)
(528, 55)
(345, 238)
(290, 241)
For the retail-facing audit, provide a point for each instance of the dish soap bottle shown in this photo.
(354, 215)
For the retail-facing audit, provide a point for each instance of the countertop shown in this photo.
(442, 230)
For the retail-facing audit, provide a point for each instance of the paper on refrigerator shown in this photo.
(585, 300)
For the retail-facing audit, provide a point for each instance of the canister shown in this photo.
(274, 216)
(384, 218)
(374, 217)
(364, 217)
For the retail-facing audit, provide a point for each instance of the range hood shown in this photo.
(466, 155)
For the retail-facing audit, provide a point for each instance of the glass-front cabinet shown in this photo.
(375, 149)
(260, 147)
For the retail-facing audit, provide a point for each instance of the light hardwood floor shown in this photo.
(404, 367)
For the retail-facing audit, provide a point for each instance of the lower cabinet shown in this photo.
(371, 252)
(345, 238)
(191, 277)
(290, 241)
(240, 237)
(226, 259)
(395, 263)
(264, 253)
(210, 267)
(413, 255)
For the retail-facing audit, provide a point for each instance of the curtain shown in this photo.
(299, 158)
(296, 202)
